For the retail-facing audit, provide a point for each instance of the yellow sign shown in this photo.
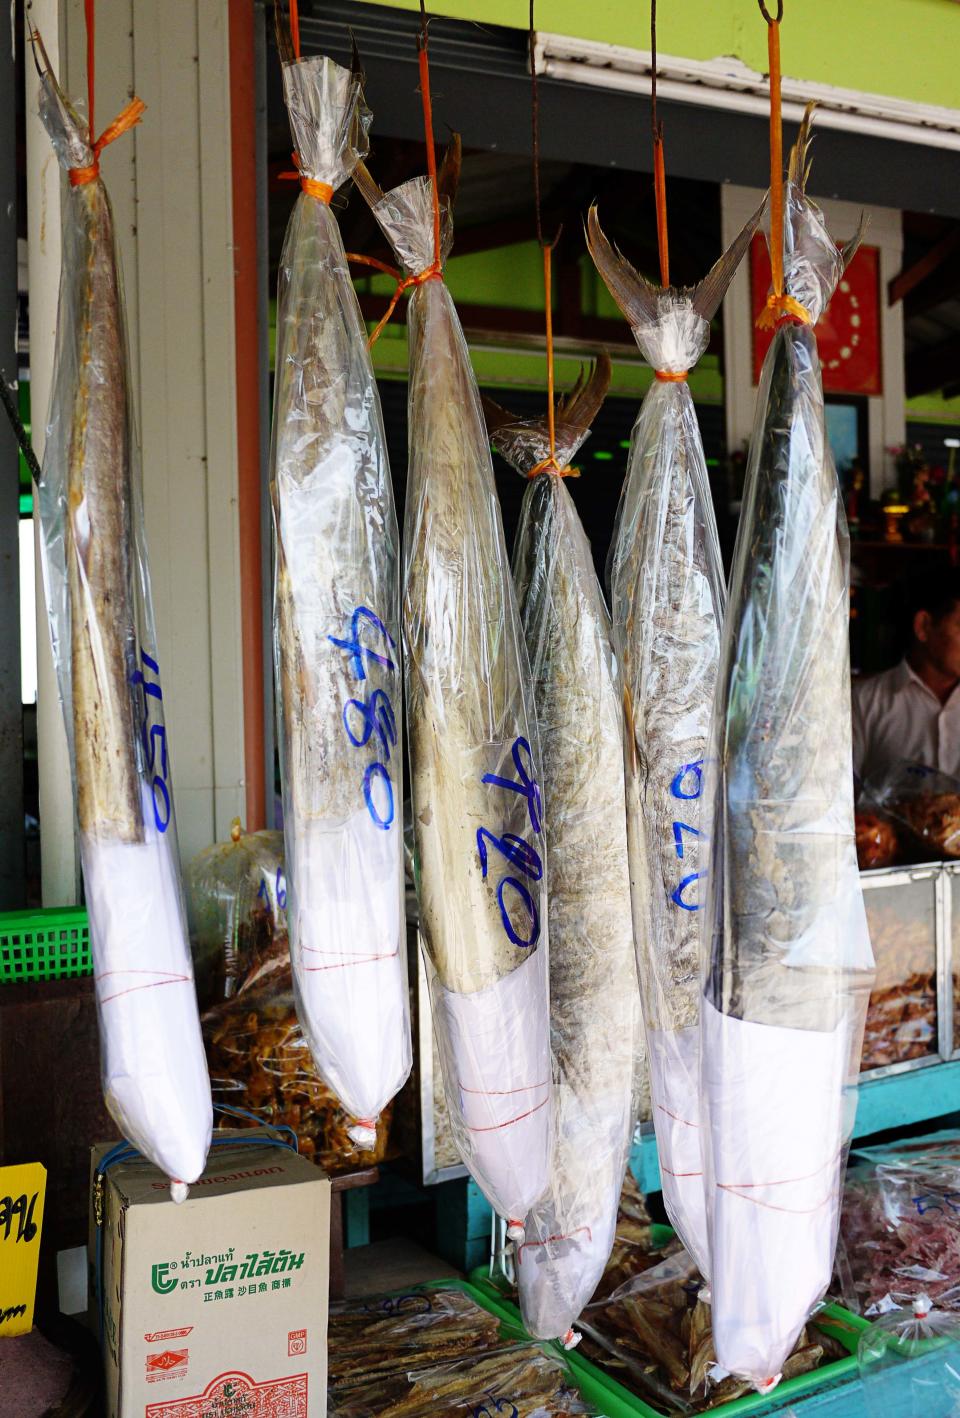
(22, 1192)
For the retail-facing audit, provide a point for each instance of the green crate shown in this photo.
(44, 945)
(617, 1401)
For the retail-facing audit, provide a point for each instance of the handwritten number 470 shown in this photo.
(689, 777)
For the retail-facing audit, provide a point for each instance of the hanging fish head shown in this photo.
(329, 120)
(812, 262)
(671, 325)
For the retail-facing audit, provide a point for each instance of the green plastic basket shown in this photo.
(617, 1401)
(44, 945)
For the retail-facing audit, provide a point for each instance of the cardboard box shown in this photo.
(216, 1308)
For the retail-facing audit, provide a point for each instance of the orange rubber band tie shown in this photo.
(126, 118)
(668, 376)
(780, 309)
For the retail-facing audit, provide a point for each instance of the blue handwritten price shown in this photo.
(504, 1406)
(279, 891)
(686, 786)
(936, 1201)
(372, 717)
(520, 853)
(154, 740)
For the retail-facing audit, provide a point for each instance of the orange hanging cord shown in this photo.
(295, 29)
(130, 114)
(433, 272)
(659, 167)
(550, 464)
(779, 307)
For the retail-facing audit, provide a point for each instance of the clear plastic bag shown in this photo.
(336, 633)
(105, 651)
(258, 1058)
(594, 998)
(788, 965)
(480, 859)
(925, 803)
(900, 1225)
(909, 1363)
(667, 598)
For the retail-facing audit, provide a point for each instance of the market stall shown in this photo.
(498, 905)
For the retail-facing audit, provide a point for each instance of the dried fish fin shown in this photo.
(634, 294)
(580, 407)
(711, 290)
(448, 178)
(370, 189)
(798, 171)
(850, 250)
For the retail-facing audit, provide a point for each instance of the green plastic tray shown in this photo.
(44, 945)
(617, 1401)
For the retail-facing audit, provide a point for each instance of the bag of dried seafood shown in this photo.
(594, 999)
(105, 650)
(478, 815)
(788, 964)
(259, 1060)
(667, 598)
(336, 635)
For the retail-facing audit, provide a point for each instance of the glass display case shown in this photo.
(910, 1019)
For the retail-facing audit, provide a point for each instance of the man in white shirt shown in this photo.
(912, 712)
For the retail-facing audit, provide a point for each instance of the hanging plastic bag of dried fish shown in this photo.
(788, 964)
(478, 817)
(105, 648)
(336, 640)
(667, 597)
(594, 1000)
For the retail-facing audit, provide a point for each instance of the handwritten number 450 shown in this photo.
(689, 777)
(154, 740)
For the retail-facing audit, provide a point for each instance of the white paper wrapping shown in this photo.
(480, 862)
(667, 599)
(787, 961)
(104, 644)
(336, 634)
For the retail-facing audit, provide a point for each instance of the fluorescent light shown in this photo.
(729, 84)
(951, 443)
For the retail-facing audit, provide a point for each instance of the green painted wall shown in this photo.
(903, 48)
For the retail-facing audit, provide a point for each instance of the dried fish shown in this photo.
(594, 997)
(101, 624)
(667, 598)
(480, 860)
(336, 630)
(789, 965)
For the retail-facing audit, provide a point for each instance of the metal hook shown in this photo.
(766, 13)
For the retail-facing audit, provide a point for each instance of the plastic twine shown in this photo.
(126, 118)
(779, 307)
